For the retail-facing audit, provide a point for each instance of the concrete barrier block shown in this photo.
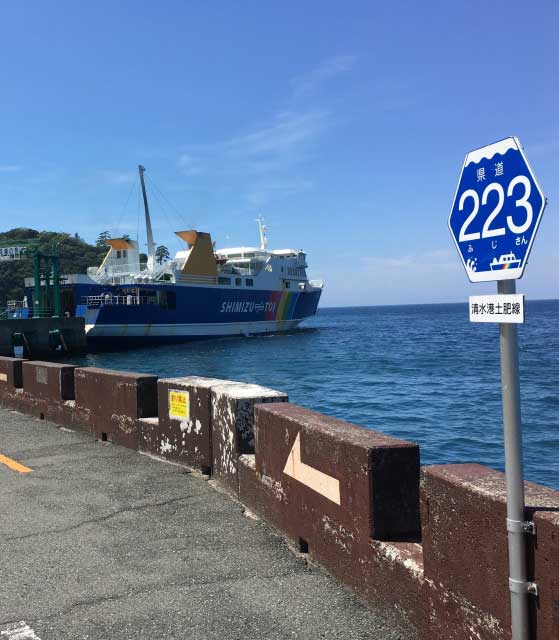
(49, 381)
(10, 373)
(233, 427)
(185, 426)
(360, 479)
(449, 615)
(545, 513)
(331, 487)
(114, 401)
(465, 545)
(390, 573)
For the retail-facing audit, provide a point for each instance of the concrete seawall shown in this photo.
(430, 541)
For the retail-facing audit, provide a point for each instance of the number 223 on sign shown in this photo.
(496, 211)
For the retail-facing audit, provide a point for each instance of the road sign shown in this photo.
(499, 308)
(494, 218)
(496, 211)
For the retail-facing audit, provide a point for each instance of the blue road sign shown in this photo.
(496, 211)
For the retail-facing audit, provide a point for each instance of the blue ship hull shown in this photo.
(168, 313)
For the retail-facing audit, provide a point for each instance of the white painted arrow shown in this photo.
(322, 483)
(18, 631)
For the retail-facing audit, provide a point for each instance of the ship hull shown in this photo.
(154, 334)
(183, 313)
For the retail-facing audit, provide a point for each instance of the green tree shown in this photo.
(75, 257)
(162, 253)
(102, 239)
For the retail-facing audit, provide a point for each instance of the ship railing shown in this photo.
(42, 312)
(113, 269)
(109, 300)
(191, 279)
(247, 271)
(13, 313)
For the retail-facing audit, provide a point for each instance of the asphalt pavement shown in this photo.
(99, 542)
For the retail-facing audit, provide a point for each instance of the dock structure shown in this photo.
(424, 547)
(42, 337)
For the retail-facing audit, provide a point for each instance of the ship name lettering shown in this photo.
(238, 306)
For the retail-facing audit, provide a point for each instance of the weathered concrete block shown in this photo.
(361, 479)
(233, 427)
(466, 551)
(449, 615)
(330, 487)
(390, 573)
(544, 509)
(112, 402)
(48, 381)
(10, 373)
(185, 426)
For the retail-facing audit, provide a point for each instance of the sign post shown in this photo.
(494, 218)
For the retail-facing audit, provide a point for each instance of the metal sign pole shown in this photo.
(494, 237)
(516, 525)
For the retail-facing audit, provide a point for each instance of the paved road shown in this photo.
(99, 542)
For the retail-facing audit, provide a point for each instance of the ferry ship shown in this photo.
(202, 292)
(506, 261)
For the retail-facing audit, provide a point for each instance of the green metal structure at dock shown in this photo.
(42, 330)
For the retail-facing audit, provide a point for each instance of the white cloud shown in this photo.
(424, 262)
(265, 159)
(263, 192)
(308, 83)
(287, 131)
(189, 166)
(431, 276)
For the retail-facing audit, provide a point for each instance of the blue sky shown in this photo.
(344, 124)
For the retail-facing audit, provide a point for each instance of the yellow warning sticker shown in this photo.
(179, 405)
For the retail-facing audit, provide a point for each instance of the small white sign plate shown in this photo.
(497, 308)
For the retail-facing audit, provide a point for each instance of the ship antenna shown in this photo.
(262, 228)
(151, 244)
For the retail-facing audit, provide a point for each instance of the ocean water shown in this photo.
(420, 372)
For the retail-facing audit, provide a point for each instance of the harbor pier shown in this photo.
(42, 337)
(424, 547)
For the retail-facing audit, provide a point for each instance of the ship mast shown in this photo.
(151, 244)
(262, 229)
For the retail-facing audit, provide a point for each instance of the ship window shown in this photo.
(287, 285)
(124, 254)
(238, 282)
(249, 282)
(148, 296)
(224, 280)
(118, 254)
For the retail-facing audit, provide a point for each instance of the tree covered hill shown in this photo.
(76, 256)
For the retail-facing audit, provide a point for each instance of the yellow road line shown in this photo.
(12, 464)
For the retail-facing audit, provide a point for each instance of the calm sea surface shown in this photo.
(421, 373)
